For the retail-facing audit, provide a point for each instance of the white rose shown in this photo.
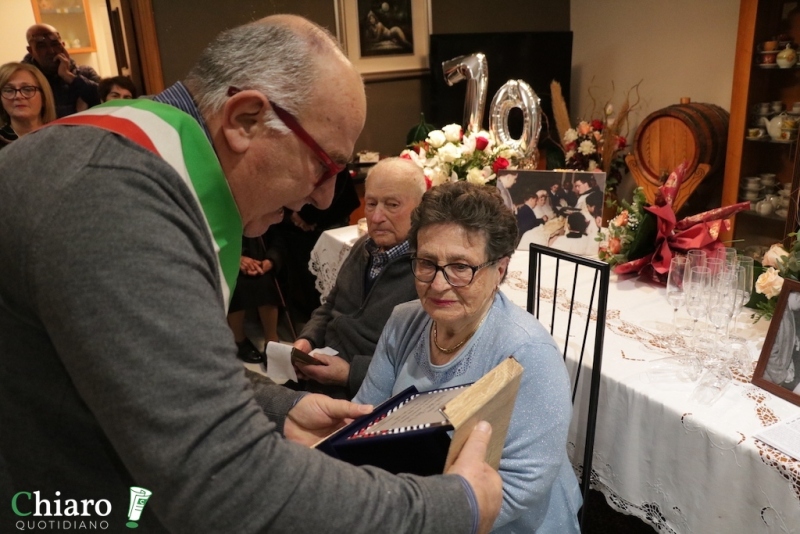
(475, 176)
(452, 132)
(436, 138)
(449, 153)
(508, 153)
(570, 135)
(773, 256)
(586, 148)
(769, 283)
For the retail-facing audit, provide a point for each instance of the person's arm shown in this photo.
(142, 333)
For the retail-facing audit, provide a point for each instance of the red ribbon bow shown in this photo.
(673, 237)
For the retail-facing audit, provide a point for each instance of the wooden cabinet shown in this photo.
(71, 18)
(753, 84)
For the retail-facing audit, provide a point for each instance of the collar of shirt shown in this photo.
(178, 96)
(379, 259)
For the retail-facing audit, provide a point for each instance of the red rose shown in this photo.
(621, 142)
(597, 125)
(428, 183)
(481, 143)
(405, 156)
(499, 164)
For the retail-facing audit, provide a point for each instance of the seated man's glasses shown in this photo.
(332, 168)
(455, 274)
(27, 92)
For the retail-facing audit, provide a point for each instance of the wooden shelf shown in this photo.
(73, 22)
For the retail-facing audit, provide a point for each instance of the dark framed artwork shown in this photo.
(778, 368)
(385, 38)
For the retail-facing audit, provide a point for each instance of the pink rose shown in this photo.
(621, 219)
(481, 143)
(614, 245)
(584, 128)
(499, 164)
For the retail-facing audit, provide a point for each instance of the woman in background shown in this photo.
(462, 327)
(27, 101)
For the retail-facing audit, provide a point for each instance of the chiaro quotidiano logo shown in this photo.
(72, 514)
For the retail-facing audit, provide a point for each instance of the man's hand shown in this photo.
(303, 344)
(335, 372)
(317, 416)
(63, 67)
(485, 481)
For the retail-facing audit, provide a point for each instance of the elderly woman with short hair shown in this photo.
(463, 326)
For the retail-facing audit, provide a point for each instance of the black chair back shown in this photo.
(543, 286)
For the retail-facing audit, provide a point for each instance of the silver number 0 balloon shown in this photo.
(517, 94)
(475, 70)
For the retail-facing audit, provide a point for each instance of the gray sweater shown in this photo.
(117, 367)
(351, 320)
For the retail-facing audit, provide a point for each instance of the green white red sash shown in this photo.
(179, 140)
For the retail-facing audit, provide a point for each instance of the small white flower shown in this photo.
(452, 132)
(592, 165)
(449, 153)
(436, 138)
(586, 148)
(569, 155)
(508, 153)
(467, 145)
(436, 175)
(609, 110)
(570, 135)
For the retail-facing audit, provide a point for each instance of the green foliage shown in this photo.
(420, 131)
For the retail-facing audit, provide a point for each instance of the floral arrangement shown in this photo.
(623, 230)
(450, 155)
(589, 145)
(779, 265)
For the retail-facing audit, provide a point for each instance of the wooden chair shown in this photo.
(578, 316)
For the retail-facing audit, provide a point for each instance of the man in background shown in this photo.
(120, 251)
(374, 278)
(74, 87)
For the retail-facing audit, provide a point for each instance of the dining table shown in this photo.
(661, 453)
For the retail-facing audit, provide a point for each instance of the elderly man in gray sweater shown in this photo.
(120, 239)
(374, 278)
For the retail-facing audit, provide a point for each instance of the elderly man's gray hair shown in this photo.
(274, 58)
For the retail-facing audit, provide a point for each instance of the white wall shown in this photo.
(17, 15)
(677, 47)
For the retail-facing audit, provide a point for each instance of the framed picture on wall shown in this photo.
(778, 368)
(385, 38)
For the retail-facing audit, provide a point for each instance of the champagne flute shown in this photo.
(696, 257)
(675, 294)
(697, 296)
(722, 301)
(745, 287)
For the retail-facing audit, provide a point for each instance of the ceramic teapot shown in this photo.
(774, 125)
(787, 57)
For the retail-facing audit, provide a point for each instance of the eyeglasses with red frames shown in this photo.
(292, 123)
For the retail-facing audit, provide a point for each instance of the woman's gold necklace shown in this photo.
(458, 346)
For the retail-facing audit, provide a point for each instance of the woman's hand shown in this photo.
(317, 416)
(249, 266)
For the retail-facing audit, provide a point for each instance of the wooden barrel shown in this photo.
(694, 132)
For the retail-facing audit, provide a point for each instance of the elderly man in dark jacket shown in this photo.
(70, 83)
(374, 278)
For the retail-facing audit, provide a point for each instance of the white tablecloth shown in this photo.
(680, 465)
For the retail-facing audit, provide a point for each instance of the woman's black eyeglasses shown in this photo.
(27, 92)
(455, 274)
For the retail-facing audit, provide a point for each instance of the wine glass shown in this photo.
(675, 294)
(722, 300)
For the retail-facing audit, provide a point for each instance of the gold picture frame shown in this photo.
(778, 368)
(386, 39)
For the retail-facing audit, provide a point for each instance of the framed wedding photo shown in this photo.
(385, 39)
(778, 368)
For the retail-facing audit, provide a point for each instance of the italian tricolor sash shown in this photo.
(164, 129)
